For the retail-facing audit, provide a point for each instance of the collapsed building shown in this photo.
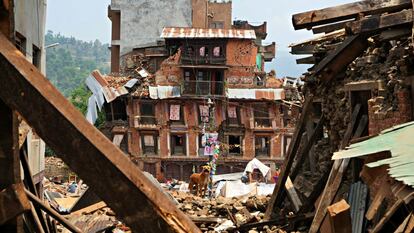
(349, 159)
(194, 81)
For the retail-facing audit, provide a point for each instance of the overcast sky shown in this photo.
(87, 20)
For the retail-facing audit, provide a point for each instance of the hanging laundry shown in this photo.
(232, 112)
(216, 51)
(175, 112)
(202, 51)
(149, 140)
(204, 111)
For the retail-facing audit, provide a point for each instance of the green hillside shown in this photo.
(69, 63)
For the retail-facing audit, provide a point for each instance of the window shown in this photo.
(233, 115)
(178, 144)
(149, 142)
(235, 145)
(36, 56)
(261, 115)
(200, 145)
(203, 85)
(176, 114)
(147, 110)
(258, 81)
(262, 146)
(219, 25)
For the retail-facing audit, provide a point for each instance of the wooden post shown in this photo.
(9, 160)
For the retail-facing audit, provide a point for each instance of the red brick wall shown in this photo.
(379, 121)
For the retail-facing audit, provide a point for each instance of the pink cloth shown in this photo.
(216, 51)
(202, 51)
(232, 112)
(175, 112)
(204, 111)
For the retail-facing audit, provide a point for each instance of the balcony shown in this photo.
(203, 88)
(145, 122)
(196, 60)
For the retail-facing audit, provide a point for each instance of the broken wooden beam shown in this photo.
(306, 60)
(339, 59)
(13, 202)
(278, 193)
(293, 195)
(340, 217)
(103, 166)
(37, 202)
(377, 23)
(347, 11)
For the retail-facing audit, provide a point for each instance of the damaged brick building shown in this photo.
(206, 78)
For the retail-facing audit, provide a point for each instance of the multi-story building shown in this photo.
(209, 78)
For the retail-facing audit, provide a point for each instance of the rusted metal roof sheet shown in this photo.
(194, 33)
(398, 141)
(256, 94)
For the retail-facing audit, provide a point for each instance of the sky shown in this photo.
(90, 22)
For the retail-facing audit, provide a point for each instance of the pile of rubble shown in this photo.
(224, 214)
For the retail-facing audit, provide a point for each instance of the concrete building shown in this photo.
(139, 23)
(29, 31)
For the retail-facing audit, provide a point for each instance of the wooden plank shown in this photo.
(302, 49)
(292, 194)
(37, 202)
(9, 160)
(13, 202)
(347, 11)
(330, 27)
(278, 195)
(388, 216)
(378, 199)
(103, 166)
(362, 125)
(304, 150)
(341, 57)
(334, 179)
(90, 209)
(403, 225)
(306, 60)
(393, 34)
(377, 23)
(410, 225)
(340, 217)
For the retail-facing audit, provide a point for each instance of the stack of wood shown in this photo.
(365, 45)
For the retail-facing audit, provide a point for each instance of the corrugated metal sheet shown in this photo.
(357, 199)
(191, 33)
(397, 140)
(256, 94)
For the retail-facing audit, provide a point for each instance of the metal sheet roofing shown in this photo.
(398, 141)
(194, 33)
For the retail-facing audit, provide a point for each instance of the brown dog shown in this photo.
(199, 181)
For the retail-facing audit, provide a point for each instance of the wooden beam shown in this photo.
(340, 217)
(339, 59)
(330, 27)
(335, 177)
(278, 193)
(37, 202)
(306, 60)
(293, 195)
(304, 150)
(347, 11)
(103, 166)
(13, 202)
(9, 159)
(377, 23)
(302, 49)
